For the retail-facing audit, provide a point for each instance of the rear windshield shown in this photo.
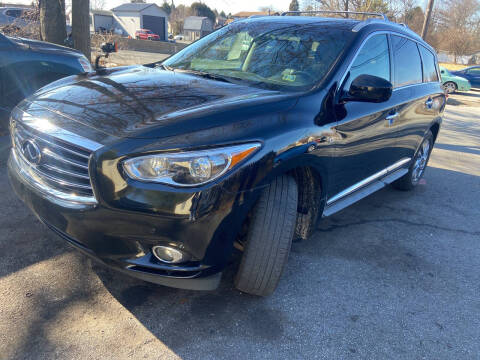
(271, 55)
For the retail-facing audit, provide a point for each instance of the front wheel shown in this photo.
(450, 87)
(418, 165)
(269, 238)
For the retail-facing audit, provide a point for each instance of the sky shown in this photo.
(229, 6)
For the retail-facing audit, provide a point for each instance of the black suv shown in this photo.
(240, 141)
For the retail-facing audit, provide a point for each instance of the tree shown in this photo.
(458, 24)
(222, 14)
(294, 6)
(200, 9)
(97, 4)
(81, 26)
(52, 21)
(177, 17)
(166, 7)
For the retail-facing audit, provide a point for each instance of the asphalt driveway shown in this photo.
(396, 276)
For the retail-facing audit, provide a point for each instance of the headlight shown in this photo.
(85, 64)
(188, 168)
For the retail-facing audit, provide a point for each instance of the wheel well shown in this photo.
(434, 129)
(309, 200)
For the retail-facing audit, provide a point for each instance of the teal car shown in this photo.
(452, 83)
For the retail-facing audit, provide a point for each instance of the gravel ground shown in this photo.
(396, 276)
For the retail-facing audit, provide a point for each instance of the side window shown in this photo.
(408, 66)
(429, 67)
(474, 71)
(372, 59)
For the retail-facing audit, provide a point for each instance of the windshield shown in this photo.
(280, 56)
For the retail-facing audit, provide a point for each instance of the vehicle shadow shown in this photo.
(393, 245)
(376, 234)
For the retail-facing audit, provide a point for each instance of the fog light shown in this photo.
(168, 254)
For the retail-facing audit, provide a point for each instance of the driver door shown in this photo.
(366, 139)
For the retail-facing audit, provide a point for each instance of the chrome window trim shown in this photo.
(388, 33)
(368, 180)
(381, 32)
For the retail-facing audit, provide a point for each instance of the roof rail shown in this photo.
(337, 12)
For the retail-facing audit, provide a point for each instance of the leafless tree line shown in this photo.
(454, 25)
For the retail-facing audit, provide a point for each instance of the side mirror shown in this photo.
(369, 88)
(108, 48)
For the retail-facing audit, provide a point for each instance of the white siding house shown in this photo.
(136, 16)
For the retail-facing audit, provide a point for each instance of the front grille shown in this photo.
(61, 165)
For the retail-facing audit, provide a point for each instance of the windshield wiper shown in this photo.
(206, 75)
(164, 67)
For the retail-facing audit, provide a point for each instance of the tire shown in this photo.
(450, 87)
(269, 238)
(137, 37)
(417, 167)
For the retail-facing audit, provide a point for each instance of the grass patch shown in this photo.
(453, 67)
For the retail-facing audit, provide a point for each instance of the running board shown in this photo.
(363, 192)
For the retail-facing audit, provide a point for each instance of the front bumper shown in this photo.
(123, 239)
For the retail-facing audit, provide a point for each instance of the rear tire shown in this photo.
(417, 167)
(269, 238)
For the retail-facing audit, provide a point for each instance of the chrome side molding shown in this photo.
(367, 181)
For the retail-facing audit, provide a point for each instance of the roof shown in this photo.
(132, 7)
(197, 23)
(101, 12)
(246, 14)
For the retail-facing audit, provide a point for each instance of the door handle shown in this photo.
(391, 118)
(429, 103)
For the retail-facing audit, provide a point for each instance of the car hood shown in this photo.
(43, 46)
(131, 101)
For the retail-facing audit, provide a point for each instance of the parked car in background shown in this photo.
(452, 83)
(12, 16)
(145, 34)
(471, 73)
(162, 170)
(179, 37)
(27, 65)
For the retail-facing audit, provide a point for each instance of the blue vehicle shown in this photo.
(27, 65)
(471, 73)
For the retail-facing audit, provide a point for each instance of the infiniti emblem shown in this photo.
(31, 152)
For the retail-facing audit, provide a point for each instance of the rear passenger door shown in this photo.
(417, 90)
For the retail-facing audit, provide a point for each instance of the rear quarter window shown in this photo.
(407, 63)
(429, 65)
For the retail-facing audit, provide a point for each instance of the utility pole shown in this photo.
(428, 15)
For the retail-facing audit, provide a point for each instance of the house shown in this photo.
(220, 22)
(195, 27)
(104, 20)
(135, 16)
(247, 14)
